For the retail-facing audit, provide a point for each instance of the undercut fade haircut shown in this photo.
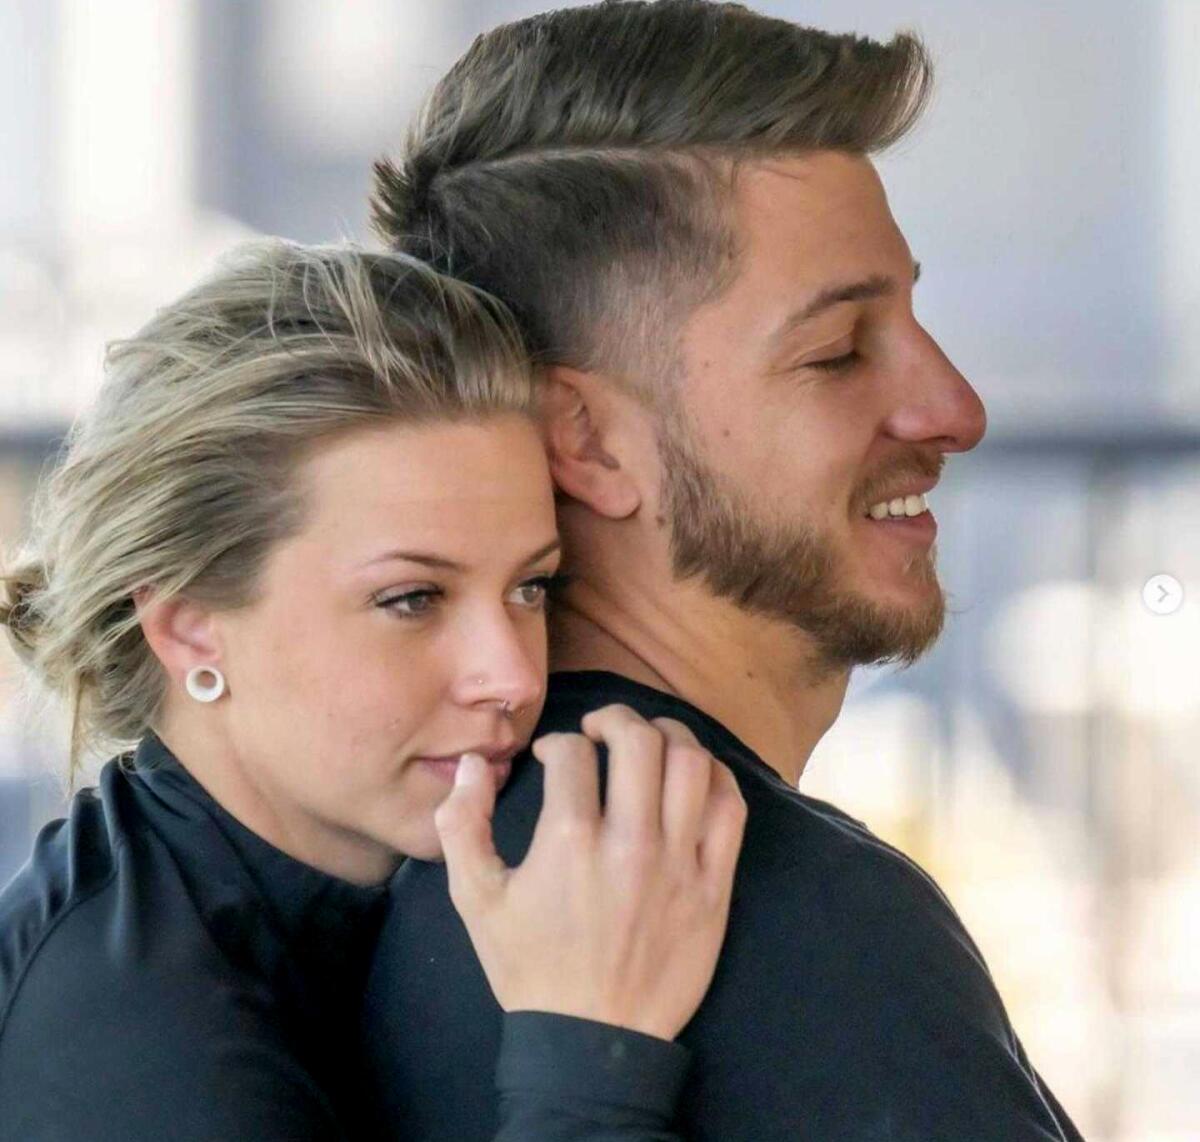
(579, 164)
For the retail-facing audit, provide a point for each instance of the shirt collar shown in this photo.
(303, 901)
(584, 690)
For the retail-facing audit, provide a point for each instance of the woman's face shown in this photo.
(390, 631)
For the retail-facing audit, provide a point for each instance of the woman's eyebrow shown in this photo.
(441, 563)
(547, 549)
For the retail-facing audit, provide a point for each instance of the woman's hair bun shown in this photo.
(19, 612)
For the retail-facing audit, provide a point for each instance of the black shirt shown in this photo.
(849, 1001)
(167, 974)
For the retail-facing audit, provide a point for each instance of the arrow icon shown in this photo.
(1163, 594)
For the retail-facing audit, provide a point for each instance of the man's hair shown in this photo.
(578, 164)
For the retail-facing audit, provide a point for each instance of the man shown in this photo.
(743, 417)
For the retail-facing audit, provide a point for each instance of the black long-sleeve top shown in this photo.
(849, 1002)
(167, 974)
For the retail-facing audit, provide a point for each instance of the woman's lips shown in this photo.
(499, 765)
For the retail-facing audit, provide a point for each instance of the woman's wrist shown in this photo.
(565, 1056)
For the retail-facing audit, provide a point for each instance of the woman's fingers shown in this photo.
(687, 776)
(633, 800)
(570, 784)
(616, 916)
(722, 828)
(464, 824)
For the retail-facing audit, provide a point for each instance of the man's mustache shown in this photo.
(917, 466)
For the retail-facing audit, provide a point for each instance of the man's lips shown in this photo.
(901, 491)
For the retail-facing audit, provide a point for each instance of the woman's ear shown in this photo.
(181, 633)
(580, 424)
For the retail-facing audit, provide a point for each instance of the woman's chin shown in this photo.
(422, 844)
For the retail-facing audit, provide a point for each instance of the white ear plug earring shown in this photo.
(205, 689)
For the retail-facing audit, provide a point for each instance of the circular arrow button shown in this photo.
(1163, 594)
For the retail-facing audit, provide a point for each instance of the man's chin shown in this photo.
(860, 630)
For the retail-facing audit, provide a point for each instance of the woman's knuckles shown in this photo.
(690, 756)
(638, 741)
(564, 749)
(637, 852)
(612, 715)
(571, 834)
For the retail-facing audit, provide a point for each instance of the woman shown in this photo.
(299, 552)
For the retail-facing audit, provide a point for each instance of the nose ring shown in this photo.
(506, 707)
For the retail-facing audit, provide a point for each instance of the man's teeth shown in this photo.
(900, 507)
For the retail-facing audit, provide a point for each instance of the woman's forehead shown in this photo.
(444, 490)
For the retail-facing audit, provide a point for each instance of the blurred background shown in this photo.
(1041, 762)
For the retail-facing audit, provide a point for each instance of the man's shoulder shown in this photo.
(816, 869)
(803, 838)
(848, 999)
(788, 833)
(809, 873)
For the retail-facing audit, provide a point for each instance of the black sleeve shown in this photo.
(99, 1048)
(563, 1079)
(185, 1084)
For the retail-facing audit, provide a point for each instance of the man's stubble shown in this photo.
(786, 570)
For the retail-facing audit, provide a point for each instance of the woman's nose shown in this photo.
(503, 665)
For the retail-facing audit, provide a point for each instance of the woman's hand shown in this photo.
(616, 916)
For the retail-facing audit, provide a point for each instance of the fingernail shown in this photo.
(466, 770)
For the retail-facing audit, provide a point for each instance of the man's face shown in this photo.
(809, 393)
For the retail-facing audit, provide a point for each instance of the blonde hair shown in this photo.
(180, 477)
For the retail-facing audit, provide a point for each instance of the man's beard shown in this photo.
(786, 571)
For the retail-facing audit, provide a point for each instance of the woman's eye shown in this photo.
(532, 594)
(834, 364)
(535, 593)
(410, 604)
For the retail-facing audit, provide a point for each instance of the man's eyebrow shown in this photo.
(441, 563)
(877, 285)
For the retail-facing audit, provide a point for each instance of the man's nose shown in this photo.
(937, 404)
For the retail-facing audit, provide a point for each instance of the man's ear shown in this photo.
(181, 633)
(580, 422)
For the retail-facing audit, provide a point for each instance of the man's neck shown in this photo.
(756, 677)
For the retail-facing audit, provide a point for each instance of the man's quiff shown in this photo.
(576, 164)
